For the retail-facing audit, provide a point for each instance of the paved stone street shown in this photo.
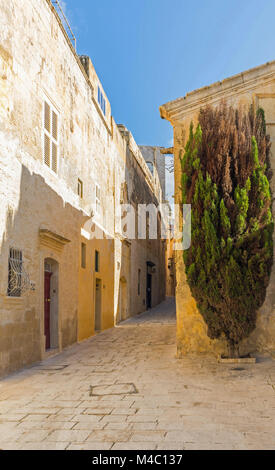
(125, 389)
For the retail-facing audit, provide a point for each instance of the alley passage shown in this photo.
(125, 389)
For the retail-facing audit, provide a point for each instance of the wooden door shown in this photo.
(47, 308)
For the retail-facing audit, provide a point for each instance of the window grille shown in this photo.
(50, 150)
(18, 279)
(48, 267)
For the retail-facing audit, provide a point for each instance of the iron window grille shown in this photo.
(18, 278)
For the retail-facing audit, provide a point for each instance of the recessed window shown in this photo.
(97, 261)
(139, 276)
(80, 188)
(101, 100)
(50, 137)
(15, 273)
(83, 255)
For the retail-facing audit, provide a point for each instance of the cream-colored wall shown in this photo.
(255, 86)
(37, 60)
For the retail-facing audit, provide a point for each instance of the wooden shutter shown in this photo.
(54, 125)
(54, 157)
(50, 151)
(47, 117)
(47, 150)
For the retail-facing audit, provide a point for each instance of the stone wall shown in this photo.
(143, 251)
(153, 155)
(41, 212)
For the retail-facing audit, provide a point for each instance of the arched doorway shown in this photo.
(51, 304)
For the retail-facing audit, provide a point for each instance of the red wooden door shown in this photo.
(47, 308)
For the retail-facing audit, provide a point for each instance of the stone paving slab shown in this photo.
(125, 389)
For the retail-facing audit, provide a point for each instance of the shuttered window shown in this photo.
(50, 141)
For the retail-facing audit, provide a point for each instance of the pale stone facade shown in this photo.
(170, 269)
(155, 158)
(156, 163)
(255, 86)
(45, 207)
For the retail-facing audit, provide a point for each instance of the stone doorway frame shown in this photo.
(51, 265)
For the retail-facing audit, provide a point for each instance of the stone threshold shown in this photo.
(237, 360)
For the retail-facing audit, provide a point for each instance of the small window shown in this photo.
(15, 273)
(96, 261)
(83, 255)
(97, 198)
(151, 167)
(101, 100)
(50, 137)
(139, 276)
(80, 188)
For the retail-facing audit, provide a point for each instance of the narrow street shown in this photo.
(125, 389)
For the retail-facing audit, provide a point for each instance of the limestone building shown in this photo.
(156, 163)
(155, 158)
(66, 267)
(257, 87)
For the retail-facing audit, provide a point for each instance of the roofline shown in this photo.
(173, 110)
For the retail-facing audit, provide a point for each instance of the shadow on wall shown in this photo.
(22, 339)
(33, 205)
(138, 255)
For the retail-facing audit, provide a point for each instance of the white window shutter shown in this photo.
(47, 150)
(47, 117)
(54, 157)
(54, 125)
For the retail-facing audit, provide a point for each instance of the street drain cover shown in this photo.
(114, 389)
(238, 368)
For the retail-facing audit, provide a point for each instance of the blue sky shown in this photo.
(148, 52)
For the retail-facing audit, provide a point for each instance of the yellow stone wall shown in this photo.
(87, 282)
